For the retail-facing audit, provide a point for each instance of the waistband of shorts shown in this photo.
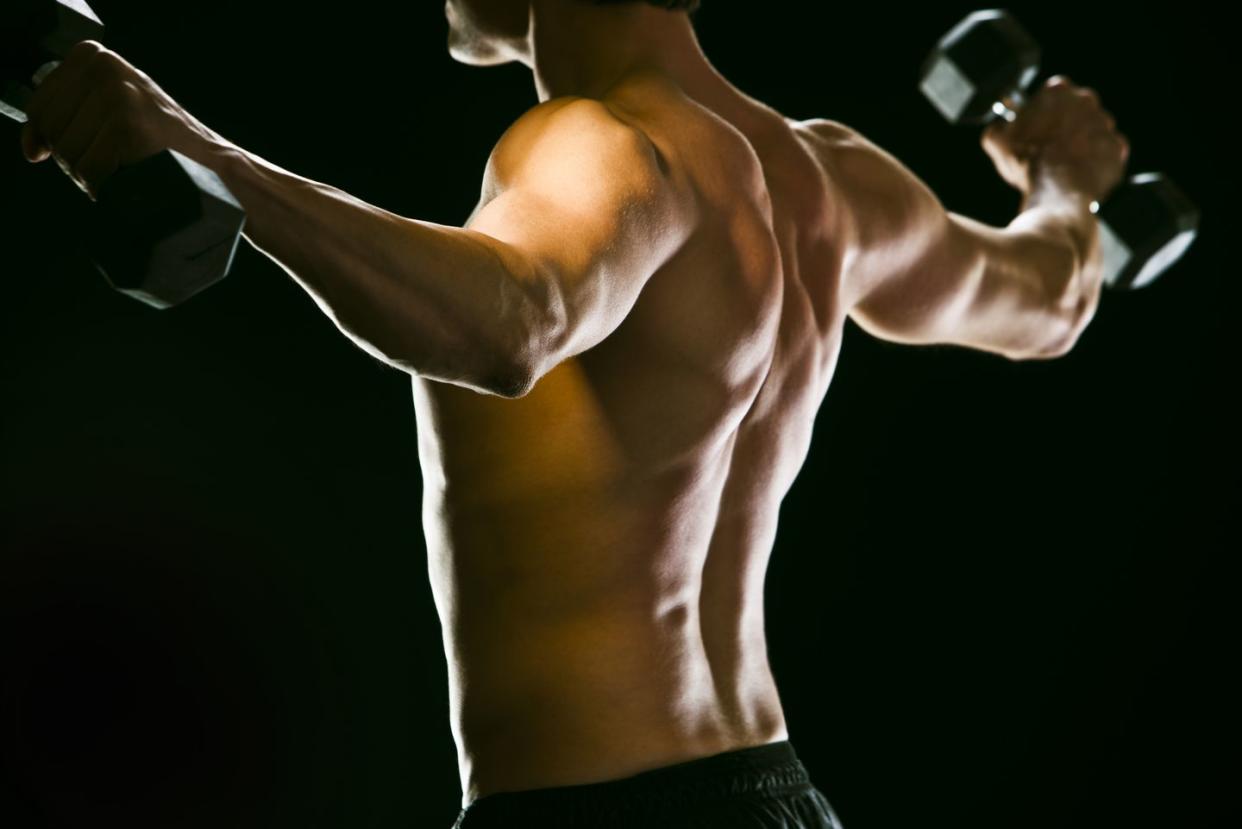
(772, 769)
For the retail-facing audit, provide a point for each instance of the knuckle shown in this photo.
(106, 66)
(86, 49)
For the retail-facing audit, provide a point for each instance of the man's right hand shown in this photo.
(1062, 134)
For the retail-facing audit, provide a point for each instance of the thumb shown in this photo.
(32, 148)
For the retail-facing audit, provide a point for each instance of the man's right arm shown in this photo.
(916, 273)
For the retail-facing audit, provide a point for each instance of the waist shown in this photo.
(586, 712)
(762, 769)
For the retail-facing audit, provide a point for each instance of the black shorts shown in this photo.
(761, 786)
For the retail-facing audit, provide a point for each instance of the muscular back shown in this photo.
(597, 547)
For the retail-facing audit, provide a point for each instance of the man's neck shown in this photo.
(583, 50)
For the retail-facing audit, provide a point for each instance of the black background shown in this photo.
(1003, 594)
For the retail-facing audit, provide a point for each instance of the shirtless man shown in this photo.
(616, 364)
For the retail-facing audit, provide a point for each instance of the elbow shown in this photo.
(516, 371)
(1074, 308)
(538, 340)
(512, 380)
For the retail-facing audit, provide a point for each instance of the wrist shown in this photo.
(1065, 210)
(1047, 189)
(196, 141)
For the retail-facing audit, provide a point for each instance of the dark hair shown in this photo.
(683, 5)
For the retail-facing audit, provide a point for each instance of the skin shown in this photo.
(617, 361)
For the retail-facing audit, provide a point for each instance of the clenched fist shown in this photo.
(1062, 132)
(95, 112)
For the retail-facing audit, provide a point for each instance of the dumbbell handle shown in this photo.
(43, 71)
(18, 112)
(17, 109)
(1007, 107)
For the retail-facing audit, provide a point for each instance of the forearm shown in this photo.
(427, 299)
(1061, 218)
(1047, 251)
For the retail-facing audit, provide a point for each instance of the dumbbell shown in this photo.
(163, 228)
(982, 70)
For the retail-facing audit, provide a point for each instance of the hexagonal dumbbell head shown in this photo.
(33, 33)
(983, 60)
(165, 228)
(1145, 226)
